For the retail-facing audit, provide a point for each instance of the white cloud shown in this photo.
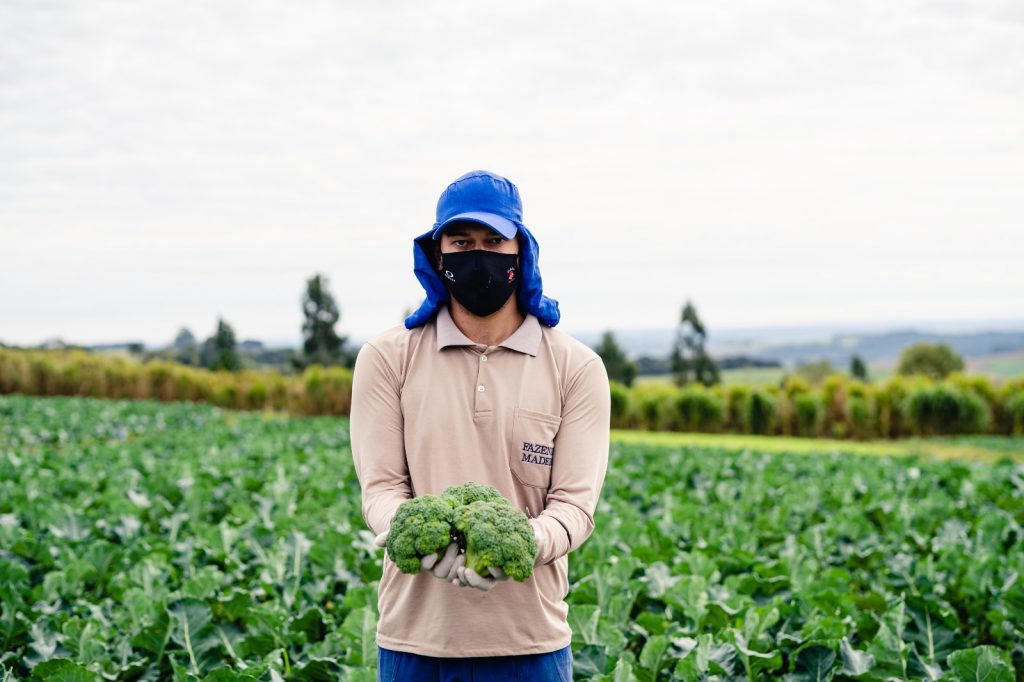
(790, 163)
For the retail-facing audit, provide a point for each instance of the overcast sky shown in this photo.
(165, 163)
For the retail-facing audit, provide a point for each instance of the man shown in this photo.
(477, 385)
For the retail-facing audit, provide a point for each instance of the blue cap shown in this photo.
(482, 197)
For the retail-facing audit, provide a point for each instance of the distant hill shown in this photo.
(884, 349)
(793, 346)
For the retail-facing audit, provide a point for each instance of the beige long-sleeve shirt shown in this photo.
(529, 416)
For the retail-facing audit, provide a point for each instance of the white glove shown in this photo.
(470, 578)
(442, 567)
(452, 567)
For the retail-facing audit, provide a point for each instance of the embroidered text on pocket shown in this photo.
(532, 453)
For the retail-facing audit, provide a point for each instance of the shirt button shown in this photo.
(480, 388)
(484, 358)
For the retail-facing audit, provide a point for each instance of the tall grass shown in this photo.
(841, 408)
(317, 391)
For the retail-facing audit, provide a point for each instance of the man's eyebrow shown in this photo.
(461, 233)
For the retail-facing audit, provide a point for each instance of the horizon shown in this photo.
(783, 333)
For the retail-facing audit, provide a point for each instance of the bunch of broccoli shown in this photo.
(488, 528)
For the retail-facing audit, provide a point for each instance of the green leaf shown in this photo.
(855, 662)
(191, 630)
(228, 675)
(623, 672)
(813, 664)
(981, 664)
(702, 657)
(63, 670)
(360, 631)
(589, 661)
(652, 656)
(583, 621)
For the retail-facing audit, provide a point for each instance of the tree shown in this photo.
(618, 366)
(688, 358)
(220, 350)
(321, 344)
(935, 360)
(185, 348)
(858, 369)
(814, 372)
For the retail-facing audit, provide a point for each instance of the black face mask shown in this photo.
(480, 280)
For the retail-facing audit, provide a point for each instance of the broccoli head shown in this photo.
(421, 526)
(467, 493)
(496, 534)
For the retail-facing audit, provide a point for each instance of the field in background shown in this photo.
(997, 366)
(751, 376)
(978, 448)
(150, 540)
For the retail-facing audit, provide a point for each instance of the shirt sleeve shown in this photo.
(579, 464)
(376, 430)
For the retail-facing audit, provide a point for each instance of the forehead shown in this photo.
(469, 229)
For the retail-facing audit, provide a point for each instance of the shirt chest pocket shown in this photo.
(532, 450)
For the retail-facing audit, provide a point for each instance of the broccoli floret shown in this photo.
(467, 493)
(496, 534)
(420, 526)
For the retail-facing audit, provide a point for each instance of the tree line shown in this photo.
(321, 344)
(688, 362)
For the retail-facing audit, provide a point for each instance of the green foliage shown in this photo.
(816, 372)
(890, 404)
(160, 541)
(858, 370)
(688, 359)
(934, 360)
(321, 344)
(944, 409)
(619, 367)
(1015, 407)
(759, 412)
(420, 526)
(698, 409)
(845, 408)
(318, 390)
(860, 410)
(808, 414)
(619, 404)
(735, 397)
(220, 351)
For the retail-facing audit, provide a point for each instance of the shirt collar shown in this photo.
(526, 339)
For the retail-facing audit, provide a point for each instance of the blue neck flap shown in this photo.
(529, 293)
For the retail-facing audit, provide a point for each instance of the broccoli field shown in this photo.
(158, 541)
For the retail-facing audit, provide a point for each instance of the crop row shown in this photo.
(840, 408)
(149, 541)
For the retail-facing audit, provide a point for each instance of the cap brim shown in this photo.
(503, 226)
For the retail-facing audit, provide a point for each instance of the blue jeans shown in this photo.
(402, 666)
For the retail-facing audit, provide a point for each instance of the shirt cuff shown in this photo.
(552, 539)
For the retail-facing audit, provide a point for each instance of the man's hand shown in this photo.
(444, 567)
(382, 539)
(470, 578)
(440, 566)
(451, 566)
